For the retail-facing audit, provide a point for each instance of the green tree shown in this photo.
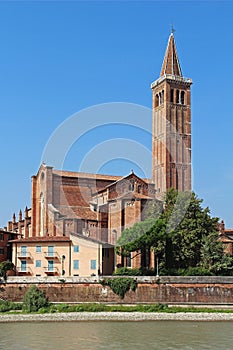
(184, 236)
(213, 257)
(4, 267)
(34, 300)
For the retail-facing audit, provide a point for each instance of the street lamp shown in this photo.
(157, 266)
(63, 271)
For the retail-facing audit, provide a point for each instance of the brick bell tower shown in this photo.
(171, 125)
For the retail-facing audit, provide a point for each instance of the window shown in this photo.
(50, 266)
(139, 188)
(128, 260)
(38, 263)
(1, 250)
(172, 95)
(50, 250)
(23, 265)
(93, 264)
(76, 264)
(76, 248)
(23, 250)
(131, 186)
(182, 97)
(1, 237)
(38, 249)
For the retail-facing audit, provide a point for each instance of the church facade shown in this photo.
(73, 211)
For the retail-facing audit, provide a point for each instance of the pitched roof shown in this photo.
(86, 175)
(132, 174)
(131, 195)
(77, 212)
(90, 239)
(171, 63)
(42, 239)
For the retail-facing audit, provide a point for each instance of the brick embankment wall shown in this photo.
(177, 290)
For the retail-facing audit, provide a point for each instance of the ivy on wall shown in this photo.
(121, 285)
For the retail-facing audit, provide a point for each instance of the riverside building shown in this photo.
(76, 218)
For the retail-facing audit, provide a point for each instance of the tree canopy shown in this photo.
(4, 267)
(183, 236)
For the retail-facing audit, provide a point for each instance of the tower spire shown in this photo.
(171, 136)
(171, 64)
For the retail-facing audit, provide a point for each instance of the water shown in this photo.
(166, 335)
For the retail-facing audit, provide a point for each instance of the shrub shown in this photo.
(125, 271)
(121, 285)
(4, 267)
(9, 306)
(34, 300)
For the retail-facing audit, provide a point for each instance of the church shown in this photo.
(75, 218)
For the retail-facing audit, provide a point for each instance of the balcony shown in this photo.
(24, 255)
(51, 255)
(24, 271)
(51, 271)
(171, 77)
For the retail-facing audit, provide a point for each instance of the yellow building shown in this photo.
(61, 256)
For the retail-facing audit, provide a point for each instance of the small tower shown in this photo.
(171, 125)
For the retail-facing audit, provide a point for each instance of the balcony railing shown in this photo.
(171, 77)
(51, 255)
(51, 270)
(24, 270)
(24, 255)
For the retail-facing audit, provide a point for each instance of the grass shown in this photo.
(9, 307)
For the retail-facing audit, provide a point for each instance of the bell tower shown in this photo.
(171, 125)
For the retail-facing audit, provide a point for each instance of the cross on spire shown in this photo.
(171, 63)
(172, 29)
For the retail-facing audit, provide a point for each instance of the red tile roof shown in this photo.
(76, 212)
(42, 239)
(86, 175)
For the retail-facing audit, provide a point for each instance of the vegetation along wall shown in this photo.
(178, 290)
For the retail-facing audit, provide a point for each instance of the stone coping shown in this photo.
(117, 316)
(140, 279)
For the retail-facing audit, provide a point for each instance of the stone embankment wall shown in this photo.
(177, 290)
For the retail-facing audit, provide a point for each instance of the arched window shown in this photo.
(156, 100)
(162, 96)
(172, 95)
(182, 97)
(41, 214)
(139, 188)
(131, 186)
(177, 96)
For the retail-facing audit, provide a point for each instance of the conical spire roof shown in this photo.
(171, 64)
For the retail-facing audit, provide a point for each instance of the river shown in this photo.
(166, 335)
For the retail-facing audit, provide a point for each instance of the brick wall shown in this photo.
(200, 290)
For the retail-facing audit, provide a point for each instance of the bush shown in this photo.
(6, 306)
(4, 267)
(34, 300)
(125, 271)
(190, 271)
(121, 285)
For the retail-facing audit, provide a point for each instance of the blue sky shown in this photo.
(60, 57)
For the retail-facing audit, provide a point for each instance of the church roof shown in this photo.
(77, 212)
(131, 175)
(131, 195)
(171, 63)
(86, 175)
